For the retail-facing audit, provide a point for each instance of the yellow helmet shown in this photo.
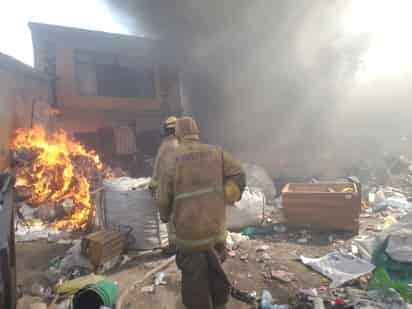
(231, 192)
(170, 122)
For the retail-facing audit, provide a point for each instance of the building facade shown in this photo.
(25, 95)
(102, 82)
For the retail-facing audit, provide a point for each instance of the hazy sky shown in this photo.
(15, 38)
(386, 22)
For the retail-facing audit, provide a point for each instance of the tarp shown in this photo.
(399, 246)
(339, 267)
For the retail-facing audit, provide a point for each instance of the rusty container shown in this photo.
(326, 206)
(102, 246)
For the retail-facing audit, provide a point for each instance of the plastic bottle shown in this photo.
(267, 300)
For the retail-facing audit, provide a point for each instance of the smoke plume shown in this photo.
(271, 81)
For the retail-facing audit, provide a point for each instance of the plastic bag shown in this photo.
(258, 178)
(249, 211)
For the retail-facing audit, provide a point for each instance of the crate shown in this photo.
(326, 206)
(102, 246)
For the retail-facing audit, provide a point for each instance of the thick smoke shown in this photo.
(272, 81)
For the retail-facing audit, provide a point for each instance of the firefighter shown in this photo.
(192, 194)
(167, 147)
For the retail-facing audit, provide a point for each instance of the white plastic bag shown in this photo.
(249, 211)
(258, 178)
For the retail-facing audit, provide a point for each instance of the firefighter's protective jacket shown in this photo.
(164, 158)
(191, 193)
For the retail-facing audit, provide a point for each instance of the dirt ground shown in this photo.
(247, 275)
(251, 274)
(247, 269)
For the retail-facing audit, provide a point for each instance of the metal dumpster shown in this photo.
(326, 206)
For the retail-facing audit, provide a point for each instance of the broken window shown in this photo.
(100, 74)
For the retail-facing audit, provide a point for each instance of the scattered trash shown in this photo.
(244, 257)
(249, 298)
(231, 253)
(389, 297)
(309, 292)
(390, 198)
(375, 299)
(283, 276)
(234, 240)
(26, 211)
(399, 246)
(37, 290)
(266, 257)
(68, 206)
(70, 287)
(35, 231)
(339, 267)
(75, 260)
(279, 228)
(266, 302)
(318, 303)
(389, 221)
(382, 280)
(258, 178)
(262, 248)
(148, 289)
(249, 211)
(302, 240)
(125, 259)
(159, 279)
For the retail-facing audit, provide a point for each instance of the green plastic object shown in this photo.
(382, 280)
(249, 231)
(103, 293)
(396, 270)
(108, 291)
(253, 231)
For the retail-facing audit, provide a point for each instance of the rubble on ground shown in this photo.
(371, 269)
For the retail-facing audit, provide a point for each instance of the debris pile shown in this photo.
(369, 270)
(55, 175)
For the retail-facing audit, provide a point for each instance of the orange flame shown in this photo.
(52, 175)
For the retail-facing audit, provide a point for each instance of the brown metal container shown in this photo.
(330, 207)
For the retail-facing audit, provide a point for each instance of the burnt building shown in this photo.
(105, 85)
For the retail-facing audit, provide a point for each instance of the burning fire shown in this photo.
(52, 169)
